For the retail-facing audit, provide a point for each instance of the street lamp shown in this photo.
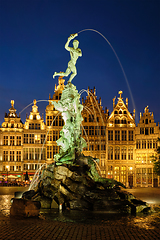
(7, 167)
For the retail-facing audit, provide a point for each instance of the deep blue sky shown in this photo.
(32, 38)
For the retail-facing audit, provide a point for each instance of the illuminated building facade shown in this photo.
(147, 133)
(34, 133)
(120, 153)
(123, 148)
(11, 144)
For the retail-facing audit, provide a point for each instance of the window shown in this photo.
(91, 130)
(5, 140)
(110, 153)
(116, 173)
(11, 168)
(130, 153)
(97, 130)
(154, 144)
(124, 153)
(49, 121)
(110, 135)
(5, 156)
(146, 121)
(117, 153)
(31, 154)
(143, 144)
(12, 140)
(43, 154)
(117, 121)
(146, 131)
(103, 131)
(11, 156)
(49, 151)
(55, 135)
(37, 153)
(138, 144)
(55, 150)
(141, 130)
(151, 130)
(49, 136)
(42, 138)
(37, 126)
(130, 136)
(149, 143)
(31, 138)
(18, 156)
(18, 140)
(117, 135)
(25, 153)
(18, 168)
(91, 147)
(123, 121)
(25, 140)
(103, 147)
(124, 135)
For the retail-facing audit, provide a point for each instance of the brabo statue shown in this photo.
(75, 52)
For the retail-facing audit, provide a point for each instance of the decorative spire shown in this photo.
(127, 102)
(34, 107)
(12, 110)
(120, 94)
(134, 111)
(114, 102)
(146, 109)
(12, 103)
(100, 101)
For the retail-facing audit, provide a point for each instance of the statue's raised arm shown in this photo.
(72, 36)
(75, 53)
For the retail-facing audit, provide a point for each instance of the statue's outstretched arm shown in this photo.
(72, 36)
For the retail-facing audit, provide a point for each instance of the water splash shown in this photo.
(33, 103)
(93, 30)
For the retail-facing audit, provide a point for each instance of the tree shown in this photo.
(156, 160)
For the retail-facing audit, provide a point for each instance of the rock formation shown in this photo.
(79, 187)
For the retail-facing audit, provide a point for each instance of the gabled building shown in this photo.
(34, 150)
(11, 144)
(120, 151)
(147, 133)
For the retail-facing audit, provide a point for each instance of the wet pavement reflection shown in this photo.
(143, 221)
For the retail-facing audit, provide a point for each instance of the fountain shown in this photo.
(73, 181)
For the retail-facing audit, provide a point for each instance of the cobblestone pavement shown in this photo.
(77, 226)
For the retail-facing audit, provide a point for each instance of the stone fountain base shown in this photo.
(79, 187)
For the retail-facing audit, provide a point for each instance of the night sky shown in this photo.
(32, 38)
